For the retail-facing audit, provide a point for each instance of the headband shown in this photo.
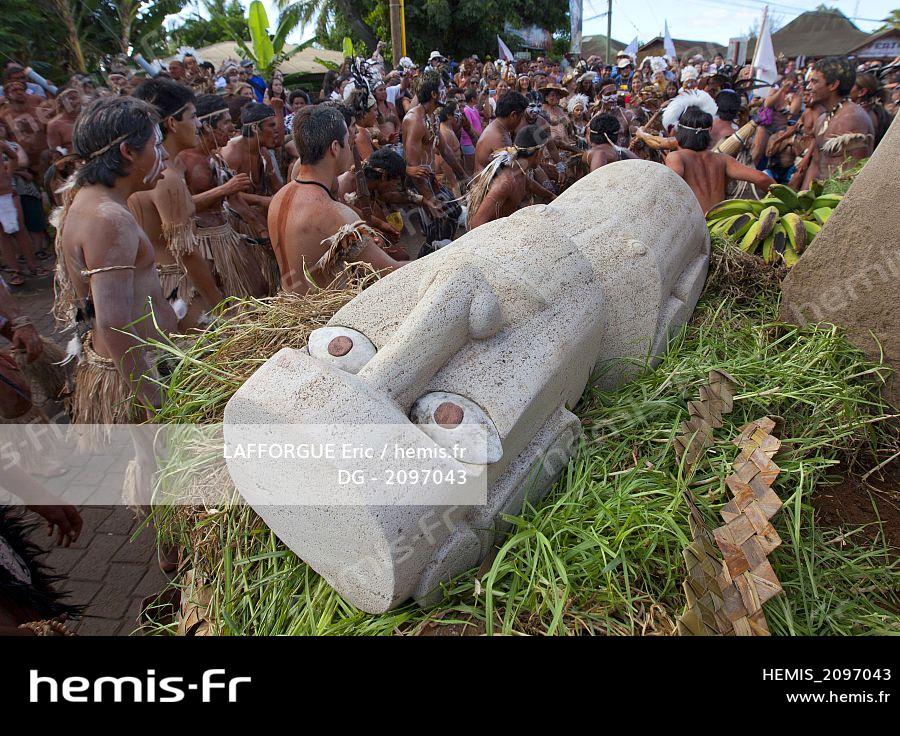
(222, 111)
(696, 130)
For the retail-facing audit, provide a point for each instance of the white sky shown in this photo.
(696, 20)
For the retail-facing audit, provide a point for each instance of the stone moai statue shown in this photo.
(502, 328)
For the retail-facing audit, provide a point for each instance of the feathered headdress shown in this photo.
(689, 72)
(658, 64)
(689, 98)
(576, 100)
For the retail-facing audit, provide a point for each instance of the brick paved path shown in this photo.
(112, 566)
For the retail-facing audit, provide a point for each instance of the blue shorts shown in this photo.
(468, 150)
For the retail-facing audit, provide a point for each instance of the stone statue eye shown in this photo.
(343, 347)
(443, 416)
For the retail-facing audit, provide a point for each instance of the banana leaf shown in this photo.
(258, 23)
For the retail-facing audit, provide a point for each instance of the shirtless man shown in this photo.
(511, 179)
(608, 102)
(729, 103)
(249, 154)
(12, 228)
(215, 189)
(449, 117)
(108, 258)
(421, 140)
(510, 116)
(304, 213)
(59, 129)
(165, 212)
(844, 134)
(603, 130)
(707, 173)
(26, 118)
(365, 113)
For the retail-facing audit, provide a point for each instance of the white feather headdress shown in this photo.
(577, 100)
(689, 98)
(658, 64)
(689, 72)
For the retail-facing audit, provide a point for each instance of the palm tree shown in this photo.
(266, 50)
(892, 21)
(350, 9)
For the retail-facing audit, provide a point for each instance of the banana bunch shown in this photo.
(779, 226)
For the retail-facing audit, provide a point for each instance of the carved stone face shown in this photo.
(502, 329)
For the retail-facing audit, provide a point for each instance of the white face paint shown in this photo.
(158, 160)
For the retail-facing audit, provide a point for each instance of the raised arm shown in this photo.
(737, 171)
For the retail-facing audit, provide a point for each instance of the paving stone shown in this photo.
(81, 592)
(63, 559)
(142, 549)
(94, 564)
(154, 581)
(110, 601)
(120, 521)
(91, 626)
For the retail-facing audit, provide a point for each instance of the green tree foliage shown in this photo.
(454, 27)
(892, 21)
(198, 31)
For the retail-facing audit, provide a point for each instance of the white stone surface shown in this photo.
(514, 317)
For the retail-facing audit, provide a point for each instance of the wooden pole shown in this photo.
(396, 42)
(608, 28)
(403, 26)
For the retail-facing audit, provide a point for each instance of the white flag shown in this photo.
(669, 45)
(764, 57)
(632, 48)
(505, 53)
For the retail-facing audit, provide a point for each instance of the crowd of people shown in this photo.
(174, 190)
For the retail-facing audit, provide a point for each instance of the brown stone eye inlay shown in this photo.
(448, 415)
(340, 346)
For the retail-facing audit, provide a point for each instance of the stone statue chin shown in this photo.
(502, 329)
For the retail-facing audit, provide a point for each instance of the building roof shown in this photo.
(883, 44)
(818, 33)
(683, 47)
(302, 63)
(596, 46)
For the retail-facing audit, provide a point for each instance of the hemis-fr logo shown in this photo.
(213, 685)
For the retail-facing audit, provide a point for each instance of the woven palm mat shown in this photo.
(716, 399)
(727, 597)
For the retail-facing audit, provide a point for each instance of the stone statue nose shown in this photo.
(449, 314)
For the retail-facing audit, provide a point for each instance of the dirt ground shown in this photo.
(871, 506)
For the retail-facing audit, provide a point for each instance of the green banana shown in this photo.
(826, 200)
(740, 226)
(768, 249)
(779, 239)
(796, 232)
(751, 238)
(720, 227)
(812, 229)
(790, 256)
(767, 219)
(783, 209)
(822, 214)
(806, 198)
(786, 195)
(733, 207)
(817, 187)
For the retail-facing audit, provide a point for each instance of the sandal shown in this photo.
(42, 255)
(15, 279)
(40, 272)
